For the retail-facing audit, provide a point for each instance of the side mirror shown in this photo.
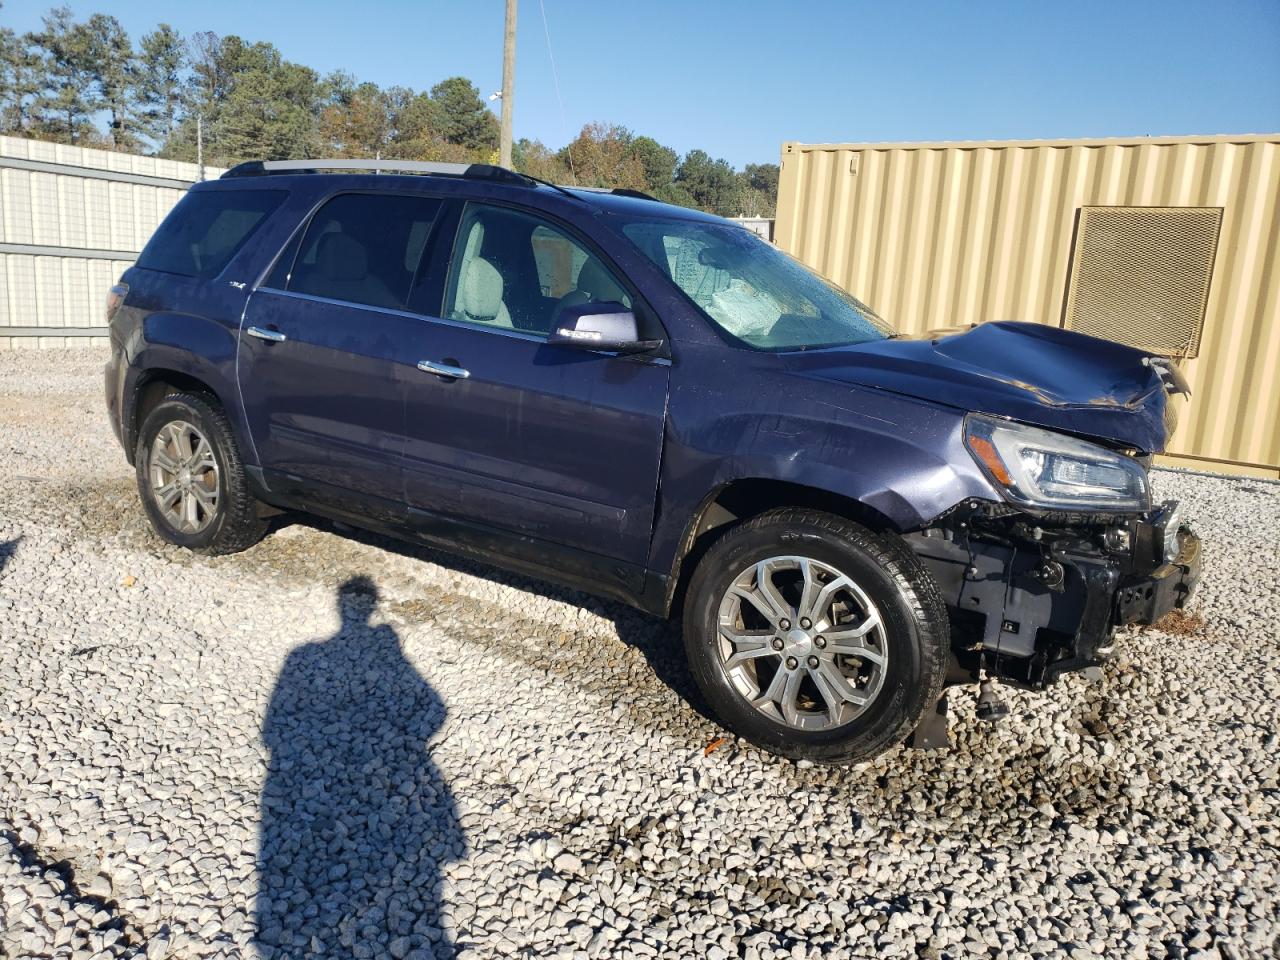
(608, 327)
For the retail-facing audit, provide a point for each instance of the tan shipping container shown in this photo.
(1169, 243)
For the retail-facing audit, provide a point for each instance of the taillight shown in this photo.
(115, 299)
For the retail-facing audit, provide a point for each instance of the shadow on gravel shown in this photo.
(7, 549)
(357, 822)
(658, 641)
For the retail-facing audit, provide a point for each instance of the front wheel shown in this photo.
(191, 479)
(814, 638)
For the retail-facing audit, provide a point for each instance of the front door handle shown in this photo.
(274, 336)
(443, 370)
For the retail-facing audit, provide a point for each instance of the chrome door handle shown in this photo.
(275, 336)
(443, 370)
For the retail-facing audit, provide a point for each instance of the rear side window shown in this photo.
(364, 248)
(206, 228)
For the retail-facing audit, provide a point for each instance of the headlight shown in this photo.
(1041, 468)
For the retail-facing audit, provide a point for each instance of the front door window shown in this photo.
(514, 271)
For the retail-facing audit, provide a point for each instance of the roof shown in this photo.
(632, 205)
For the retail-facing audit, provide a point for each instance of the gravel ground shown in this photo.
(332, 745)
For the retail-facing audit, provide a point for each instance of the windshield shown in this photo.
(751, 289)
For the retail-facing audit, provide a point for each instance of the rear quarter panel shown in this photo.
(183, 325)
(191, 325)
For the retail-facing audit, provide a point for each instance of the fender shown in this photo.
(903, 458)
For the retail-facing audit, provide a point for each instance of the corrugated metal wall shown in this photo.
(71, 220)
(944, 234)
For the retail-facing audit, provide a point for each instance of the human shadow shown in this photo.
(657, 640)
(7, 549)
(357, 821)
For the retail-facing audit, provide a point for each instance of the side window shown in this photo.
(559, 261)
(515, 271)
(362, 248)
(204, 231)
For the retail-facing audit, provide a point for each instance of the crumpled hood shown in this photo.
(1030, 372)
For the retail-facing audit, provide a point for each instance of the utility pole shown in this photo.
(200, 143)
(508, 85)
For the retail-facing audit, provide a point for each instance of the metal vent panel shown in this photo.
(1141, 275)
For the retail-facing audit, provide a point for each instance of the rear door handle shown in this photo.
(443, 369)
(274, 336)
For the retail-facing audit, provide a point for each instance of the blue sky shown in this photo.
(739, 78)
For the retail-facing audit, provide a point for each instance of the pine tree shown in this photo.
(461, 118)
(411, 118)
(254, 104)
(60, 82)
(20, 81)
(113, 69)
(711, 183)
(64, 107)
(270, 108)
(160, 83)
(659, 162)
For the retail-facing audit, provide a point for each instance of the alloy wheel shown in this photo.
(802, 642)
(184, 477)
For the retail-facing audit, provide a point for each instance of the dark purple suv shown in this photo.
(650, 403)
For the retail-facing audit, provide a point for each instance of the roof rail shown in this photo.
(638, 194)
(470, 171)
(617, 192)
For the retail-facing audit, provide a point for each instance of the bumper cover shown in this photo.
(113, 388)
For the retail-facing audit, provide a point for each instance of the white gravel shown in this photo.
(477, 765)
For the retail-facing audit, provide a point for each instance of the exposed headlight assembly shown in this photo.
(1041, 468)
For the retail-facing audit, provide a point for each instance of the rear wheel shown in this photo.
(814, 638)
(191, 479)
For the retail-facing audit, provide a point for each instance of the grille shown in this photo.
(1141, 275)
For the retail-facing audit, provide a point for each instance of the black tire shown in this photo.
(915, 631)
(234, 524)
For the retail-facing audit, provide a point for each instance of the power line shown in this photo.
(555, 77)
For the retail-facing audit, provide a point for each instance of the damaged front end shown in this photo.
(1037, 582)
(1034, 594)
(1068, 545)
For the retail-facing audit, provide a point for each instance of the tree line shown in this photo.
(85, 82)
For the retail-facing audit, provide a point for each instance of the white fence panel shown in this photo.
(71, 221)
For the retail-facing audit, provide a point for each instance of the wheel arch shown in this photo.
(741, 499)
(150, 387)
(879, 570)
